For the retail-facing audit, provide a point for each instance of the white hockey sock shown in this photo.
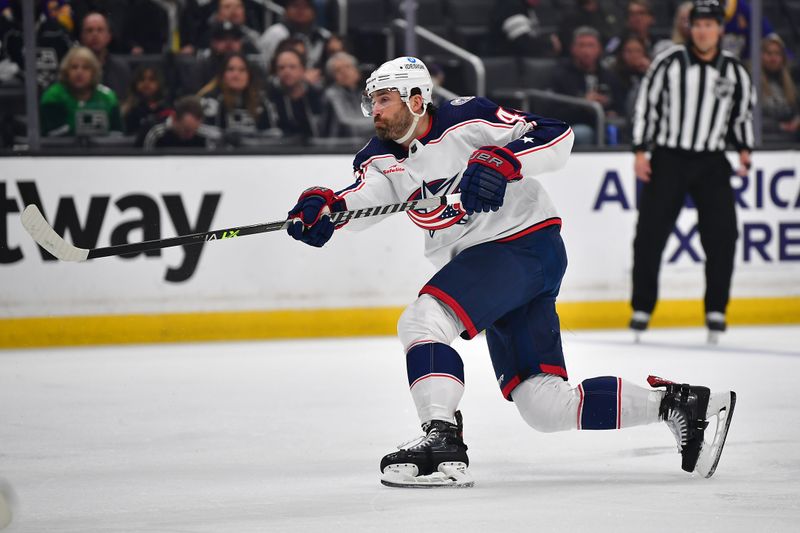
(435, 370)
(639, 405)
(437, 398)
(548, 404)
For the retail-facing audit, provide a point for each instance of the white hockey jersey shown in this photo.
(386, 173)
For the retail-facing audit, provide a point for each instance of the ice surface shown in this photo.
(287, 436)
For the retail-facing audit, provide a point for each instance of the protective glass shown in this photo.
(371, 104)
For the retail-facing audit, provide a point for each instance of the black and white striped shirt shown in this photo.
(685, 103)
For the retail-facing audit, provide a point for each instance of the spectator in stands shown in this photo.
(116, 14)
(146, 102)
(136, 26)
(343, 99)
(779, 99)
(738, 19)
(53, 41)
(184, 130)
(313, 76)
(235, 103)
(299, 21)
(78, 104)
(680, 29)
(333, 46)
(232, 11)
(587, 13)
(96, 36)
(630, 67)
(639, 22)
(226, 39)
(586, 78)
(152, 26)
(197, 17)
(298, 104)
(515, 30)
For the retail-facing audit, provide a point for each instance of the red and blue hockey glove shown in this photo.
(310, 222)
(483, 183)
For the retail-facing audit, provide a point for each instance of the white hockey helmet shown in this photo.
(402, 75)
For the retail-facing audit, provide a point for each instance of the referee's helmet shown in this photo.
(707, 9)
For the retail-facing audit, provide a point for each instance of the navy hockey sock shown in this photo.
(599, 406)
(436, 379)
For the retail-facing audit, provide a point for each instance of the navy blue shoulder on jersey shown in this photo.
(466, 109)
(545, 132)
(376, 147)
(469, 108)
(448, 115)
(462, 110)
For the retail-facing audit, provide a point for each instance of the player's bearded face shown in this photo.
(393, 121)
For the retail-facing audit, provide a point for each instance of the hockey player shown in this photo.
(501, 260)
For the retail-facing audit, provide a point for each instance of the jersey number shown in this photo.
(508, 117)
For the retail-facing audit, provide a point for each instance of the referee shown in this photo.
(694, 100)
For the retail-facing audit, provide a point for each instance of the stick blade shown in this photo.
(37, 227)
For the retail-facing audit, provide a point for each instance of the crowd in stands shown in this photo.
(231, 73)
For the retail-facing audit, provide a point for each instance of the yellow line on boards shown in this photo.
(679, 313)
(289, 324)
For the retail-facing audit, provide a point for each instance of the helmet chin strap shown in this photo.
(413, 126)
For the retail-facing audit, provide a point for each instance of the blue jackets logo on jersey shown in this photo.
(441, 217)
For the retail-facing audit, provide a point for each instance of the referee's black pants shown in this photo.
(706, 178)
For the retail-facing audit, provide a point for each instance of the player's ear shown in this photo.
(417, 103)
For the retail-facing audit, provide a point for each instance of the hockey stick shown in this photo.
(35, 224)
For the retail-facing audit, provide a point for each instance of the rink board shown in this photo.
(268, 286)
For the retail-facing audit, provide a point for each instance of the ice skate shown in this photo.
(639, 323)
(715, 322)
(436, 459)
(689, 411)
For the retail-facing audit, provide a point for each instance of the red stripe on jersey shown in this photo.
(476, 121)
(430, 127)
(510, 386)
(536, 227)
(366, 163)
(580, 406)
(359, 187)
(554, 369)
(452, 304)
(440, 138)
(548, 145)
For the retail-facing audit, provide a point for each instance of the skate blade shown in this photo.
(720, 409)
(450, 475)
(713, 337)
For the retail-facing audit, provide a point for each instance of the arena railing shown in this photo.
(471, 59)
